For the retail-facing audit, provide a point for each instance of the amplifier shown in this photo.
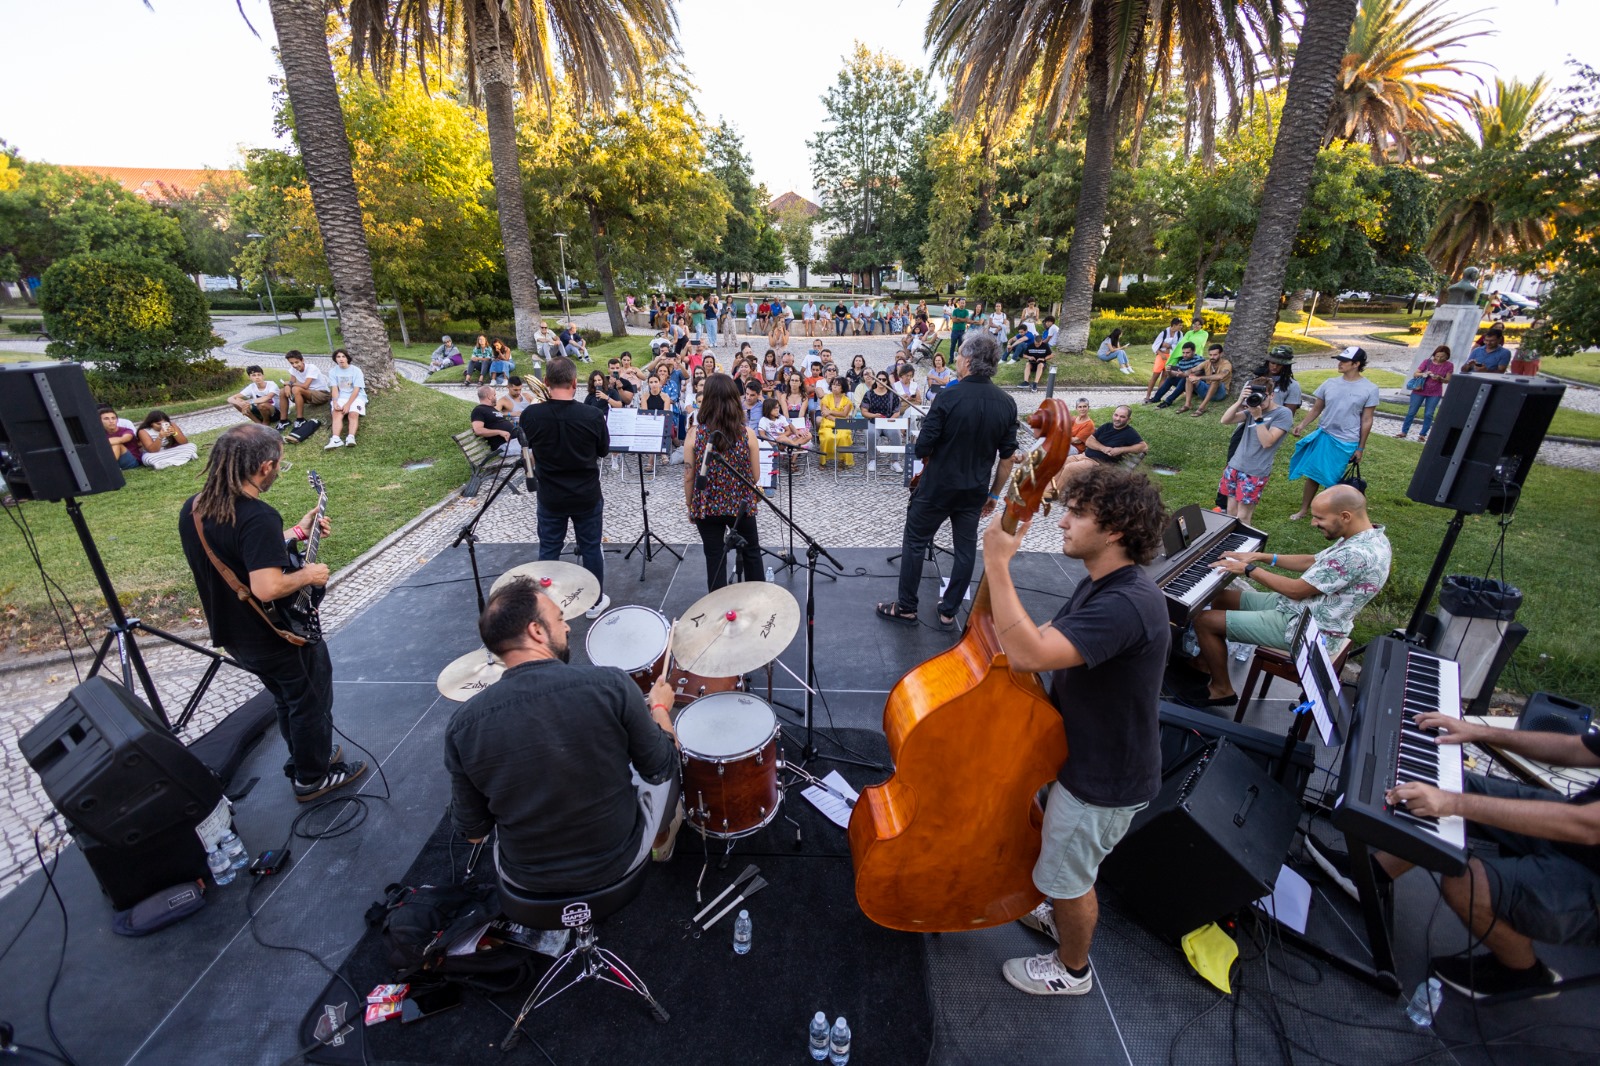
(1185, 730)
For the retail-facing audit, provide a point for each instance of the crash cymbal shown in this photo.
(470, 675)
(735, 629)
(574, 589)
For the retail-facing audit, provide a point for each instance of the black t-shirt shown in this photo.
(1037, 349)
(597, 400)
(253, 541)
(1109, 705)
(492, 419)
(567, 439)
(655, 403)
(964, 431)
(1112, 437)
(883, 406)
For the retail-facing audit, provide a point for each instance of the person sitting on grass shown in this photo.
(447, 354)
(1113, 348)
(1189, 358)
(163, 444)
(258, 400)
(1209, 381)
(1037, 353)
(478, 365)
(500, 363)
(349, 398)
(123, 436)
(306, 386)
(1111, 442)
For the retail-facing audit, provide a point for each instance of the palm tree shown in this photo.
(302, 28)
(597, 49)
(1312, 80)
(1011, 57)
(1386, 92)
(1478, 165)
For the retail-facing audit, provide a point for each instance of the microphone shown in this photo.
(705, 459)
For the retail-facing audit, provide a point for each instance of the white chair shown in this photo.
(883, 430)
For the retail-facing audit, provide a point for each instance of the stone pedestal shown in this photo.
(1455, 325)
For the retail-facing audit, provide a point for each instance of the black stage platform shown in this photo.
(206, 992)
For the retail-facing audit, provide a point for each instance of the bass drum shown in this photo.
(730, 764)
(634, 640)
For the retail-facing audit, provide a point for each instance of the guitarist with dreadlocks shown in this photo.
(244, 549)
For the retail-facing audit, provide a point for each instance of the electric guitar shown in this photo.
(298, 612)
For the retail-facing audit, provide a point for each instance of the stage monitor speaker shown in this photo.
(1545, 712)
(1488, 429)
(52, 445)
(115, 771)
(1211, 843)
(1185, 730)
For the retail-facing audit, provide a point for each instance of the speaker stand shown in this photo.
(1414, 632)
(121, 633)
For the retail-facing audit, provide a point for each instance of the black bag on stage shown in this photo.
(1353, 478)
(422, 925)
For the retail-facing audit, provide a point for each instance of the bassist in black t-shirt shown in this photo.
(247, 537)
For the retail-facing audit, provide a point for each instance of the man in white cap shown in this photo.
(1346, 405)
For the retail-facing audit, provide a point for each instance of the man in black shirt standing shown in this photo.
(963, 432)
(568, 439)
(491, 425)
(1105, 651)
(566, 762)
(247, 537)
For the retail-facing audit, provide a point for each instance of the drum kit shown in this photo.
(729, 737)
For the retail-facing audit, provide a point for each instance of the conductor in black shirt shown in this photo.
(963, 433)
(247, 537)
(568, 438)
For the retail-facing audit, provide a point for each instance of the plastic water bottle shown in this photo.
(769, 573)
(231, 846)
(819, 1036)
(1425, 1003)
(221, 871)
(839, 1043)
(741, 934)
(1241, 652)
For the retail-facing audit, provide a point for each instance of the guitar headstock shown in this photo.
(322, 490)
(1052, 423)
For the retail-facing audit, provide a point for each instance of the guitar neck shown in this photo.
(314, 534)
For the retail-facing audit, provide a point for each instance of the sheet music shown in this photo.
(1319, 680)
(837, 810)
(633, 430)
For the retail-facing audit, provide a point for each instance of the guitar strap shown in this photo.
(241, 590)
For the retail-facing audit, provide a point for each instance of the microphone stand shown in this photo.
(813, 550)
(788, 558)
(469, 533)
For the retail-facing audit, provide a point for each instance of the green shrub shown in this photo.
(23, 327)
(233, 300)
(1015, 290)
(137, 388)
(139, 315)
(1111, 301)
(1149, 294)
(590, 336)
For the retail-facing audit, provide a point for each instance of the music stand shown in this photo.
(642, 433)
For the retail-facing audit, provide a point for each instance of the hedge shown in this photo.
(1015, 290)
(140, 314)
(125, 388)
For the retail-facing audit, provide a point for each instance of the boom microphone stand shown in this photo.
(813, 550)
(788, 558)
(469, 533)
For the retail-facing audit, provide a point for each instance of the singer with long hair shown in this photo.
(716, 499)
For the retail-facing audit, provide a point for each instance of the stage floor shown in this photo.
(205, 991)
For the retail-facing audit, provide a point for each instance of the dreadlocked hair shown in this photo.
(1122, 501)
(235, 458)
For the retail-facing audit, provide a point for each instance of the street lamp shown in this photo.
(326, 331)
(266, 276)
(566, 309)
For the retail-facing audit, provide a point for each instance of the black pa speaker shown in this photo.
(1185, 730)
(1482, 444)
(52, 445)
(1546, 712)
(1211, 843)
(114, 771)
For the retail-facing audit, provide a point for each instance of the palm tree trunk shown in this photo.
(1094, 192)
(602, 266)
(983, 215)
(302, 30)
(495, 78)
(1294, 155)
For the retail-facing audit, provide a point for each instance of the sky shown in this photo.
(189, 85)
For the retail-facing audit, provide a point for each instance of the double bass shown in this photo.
(949, 841)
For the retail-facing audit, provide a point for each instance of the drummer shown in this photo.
(572, 769)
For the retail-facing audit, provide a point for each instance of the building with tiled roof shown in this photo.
(160, 185)
(792, 199)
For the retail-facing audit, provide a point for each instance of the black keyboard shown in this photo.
(1195, 539)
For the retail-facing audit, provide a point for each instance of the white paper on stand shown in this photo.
(837, 810)
(944, 583)
(1290, 901)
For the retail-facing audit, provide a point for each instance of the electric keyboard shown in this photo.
(1385, 748)
(1194, 539)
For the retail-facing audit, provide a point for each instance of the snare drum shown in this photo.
(634, 640)
(730, 764)
(688, 686)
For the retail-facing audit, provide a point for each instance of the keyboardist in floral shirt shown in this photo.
(1333, 585)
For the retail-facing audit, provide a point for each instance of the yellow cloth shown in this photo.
(1211, 952)
(829, 438)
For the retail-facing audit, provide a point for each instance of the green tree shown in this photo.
(1410, 206)
(956, 165)
(205, 216)
(747, 242)
(1211, 213)
(1333, 249)
(859, 161)
(797, 228)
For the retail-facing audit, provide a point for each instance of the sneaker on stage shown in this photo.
(1043, 975)
(1042, 919)
(1483, 975)
(600, 608)
(339, 775)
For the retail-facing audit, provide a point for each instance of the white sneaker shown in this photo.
(1042, 919)
(872, 464)
(1127, 370)
(1043, 975)
(350, 441)
(897, 468)
(600, 608)
(333, 442)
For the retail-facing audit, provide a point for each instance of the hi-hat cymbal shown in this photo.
(735, 629)
(470, 675)
(574, 589)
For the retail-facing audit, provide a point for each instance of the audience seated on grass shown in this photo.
(258, 400)
(349, 398)
(307, 387)
(162, 443)
(123, 435)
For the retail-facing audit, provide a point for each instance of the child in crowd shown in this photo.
(349, 398)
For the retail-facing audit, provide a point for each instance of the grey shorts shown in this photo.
(1538, 889)
(1077, 838)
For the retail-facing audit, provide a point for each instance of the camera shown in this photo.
(1254, 396)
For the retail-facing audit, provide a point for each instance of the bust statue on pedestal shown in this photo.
(1464, 291)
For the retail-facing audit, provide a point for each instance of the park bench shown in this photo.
(482, 460)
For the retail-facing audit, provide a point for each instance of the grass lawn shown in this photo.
(369, 496)
(23, 357)
(1556, 522)
(1398, 336)
(1585, 366)
(310, 338)
(1566, 423)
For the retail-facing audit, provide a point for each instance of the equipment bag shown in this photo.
(1353, 478)
(422, 925)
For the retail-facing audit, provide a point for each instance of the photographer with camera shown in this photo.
(1266, 423)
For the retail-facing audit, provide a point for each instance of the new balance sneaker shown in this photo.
(1043, 975)
(333, 442)
(339, 775)
(1484, 975)
(1336, 864)
(600, 608)
(1042, 919)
